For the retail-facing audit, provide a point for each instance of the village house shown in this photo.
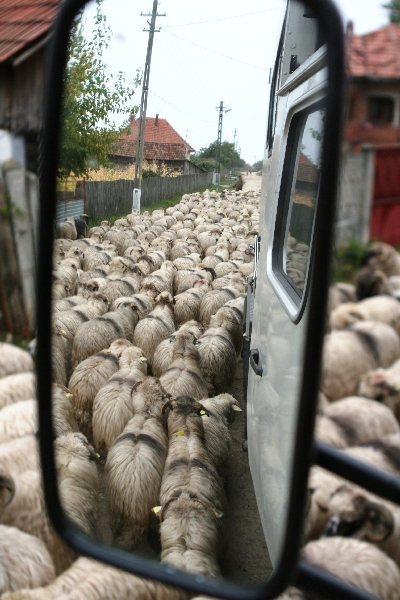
(163, 146)
(370, 178)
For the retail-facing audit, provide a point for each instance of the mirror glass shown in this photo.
(150, 289)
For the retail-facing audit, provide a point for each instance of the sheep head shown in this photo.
(7, 489)
(186, 405)
(353, 515)
(375, 385)
(163, 299)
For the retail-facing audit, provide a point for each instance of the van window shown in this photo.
(297, 200)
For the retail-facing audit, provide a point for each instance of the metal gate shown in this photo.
(385, 215)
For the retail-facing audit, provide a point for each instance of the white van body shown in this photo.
(280, 309)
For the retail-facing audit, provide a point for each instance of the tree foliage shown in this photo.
(257, 165)
(229, 157)
(394, 10)
(92, 99)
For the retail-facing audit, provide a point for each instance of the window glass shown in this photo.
(380, 110)
(297, 200)
(305, 191)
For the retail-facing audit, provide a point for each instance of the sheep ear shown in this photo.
(167, 405)
(135, 386)
(203, 411)
(7, 483)
(380, 523)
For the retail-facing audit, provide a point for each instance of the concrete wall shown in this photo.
(356, 187)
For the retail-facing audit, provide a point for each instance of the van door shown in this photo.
(289, 198)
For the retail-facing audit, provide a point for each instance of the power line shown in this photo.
(181, 111)
(225, 18)
(213, 51)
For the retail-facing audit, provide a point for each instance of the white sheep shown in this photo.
(184, 376)
(87, 579)
(354, 420)
(13, 388)
(378, 308)
(18, 420)
(163, 356)
(135, 465)
(384, 257)
(14, 360)
(112, 406)
(212, 301)
(383, 385)
(358, 563)
(217, 360)
(99, 333)
(77, 480)
(187, 304)
(24, 561)
(19, 455)
(349, 354)
(156, 326)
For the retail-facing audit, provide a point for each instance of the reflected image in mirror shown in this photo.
(147, 330)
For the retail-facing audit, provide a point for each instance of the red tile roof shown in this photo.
(375, 54)
(22, 22)
(161, 141)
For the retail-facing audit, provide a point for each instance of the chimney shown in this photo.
(156, 121)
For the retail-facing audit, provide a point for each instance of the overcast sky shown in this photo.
(187, 82)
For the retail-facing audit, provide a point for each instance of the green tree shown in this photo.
(257, 165)
(394, 10)
(229, 158)
(92, 99)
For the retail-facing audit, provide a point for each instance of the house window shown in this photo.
(380, 110)
(350, 109)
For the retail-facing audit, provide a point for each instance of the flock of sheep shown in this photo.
(356, 533)
(147, 330)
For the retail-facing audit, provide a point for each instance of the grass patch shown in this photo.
(163, 203)
(347, 260)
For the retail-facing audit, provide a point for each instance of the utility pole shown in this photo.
(145, 91)
(222, 110)
(234, 139)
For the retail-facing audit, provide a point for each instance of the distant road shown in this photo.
(252, 182)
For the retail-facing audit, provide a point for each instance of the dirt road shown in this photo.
(252, 182)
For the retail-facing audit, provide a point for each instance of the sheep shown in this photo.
(17, 420)
(365, 516)
(354, 420)
(69, 320)
(230, 318)
(14, 360)
(384, 257)
(13, 388)
(60, 289)
(378, 308)
(191, 495)
(357, 563)
(212, 301)
(19, 455)
(156, 326)
(87, 379)
(67, 229)
(383, 385)
(135, 465)
(60, 348)
(97, 334)
(112, 406)
(217, 360)
(78, 480)
(24, 561)
(221, 411)
(187, 262)
(163, 356)
(184, 376)
(187, 304)
(186, 278)
(371, 282)
(63, 414)
(67, 272)
(68, 303)
(25, 509)
(120, 287)
(87, 579)
(162, 279)
(349, 354)
(144, 303)
(382, 453)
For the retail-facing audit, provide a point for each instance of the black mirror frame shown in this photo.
(288, 571)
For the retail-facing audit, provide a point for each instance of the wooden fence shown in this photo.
(106, 198)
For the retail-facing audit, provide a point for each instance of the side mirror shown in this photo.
(321, 57)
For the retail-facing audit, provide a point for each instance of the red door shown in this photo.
(385, 217)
